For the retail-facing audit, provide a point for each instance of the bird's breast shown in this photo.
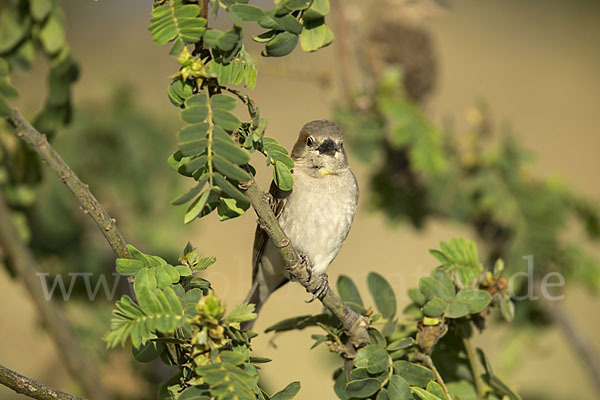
(318, 214)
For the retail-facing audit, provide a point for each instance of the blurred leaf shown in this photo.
(52, 35)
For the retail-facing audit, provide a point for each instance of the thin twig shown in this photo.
(90, 205)
(28, 387)
(354, 324)
(473, 364)
(429, 362)
(57, 325)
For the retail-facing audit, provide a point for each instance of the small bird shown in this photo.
(316, 214)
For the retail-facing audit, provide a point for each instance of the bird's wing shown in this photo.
(277, 200)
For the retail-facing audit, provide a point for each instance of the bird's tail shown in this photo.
(258, 295)
(254, 297)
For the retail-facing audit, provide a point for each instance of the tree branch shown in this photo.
(88, 202)
(354, 324)
(57, 325)
(24, 385)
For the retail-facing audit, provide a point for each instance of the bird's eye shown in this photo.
(310, 141)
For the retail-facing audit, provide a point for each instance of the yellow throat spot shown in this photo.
(325, 172)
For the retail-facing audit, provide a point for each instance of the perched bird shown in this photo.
(316, 214)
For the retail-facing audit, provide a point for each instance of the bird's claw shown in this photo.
(321, 289)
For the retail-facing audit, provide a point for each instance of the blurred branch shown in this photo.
(578, 342)
(28, 387)
(354, 324)
(67, 346)
(90, 205)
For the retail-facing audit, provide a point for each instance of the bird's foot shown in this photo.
(321, 289)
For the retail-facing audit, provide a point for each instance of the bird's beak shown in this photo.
(327, 147)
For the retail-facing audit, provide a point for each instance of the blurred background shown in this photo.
(532, 64)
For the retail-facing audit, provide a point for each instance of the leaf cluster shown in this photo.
(428, 172)
(455, 298)
(211, 146)
(177, 317)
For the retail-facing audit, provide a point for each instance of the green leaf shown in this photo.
(232, 357)
(288, 393)
(193, 393)
(193, 147)
(196, 207)
(283, 176)
(476, 299)
(457, 309)
(379, 361)
(229, 169)
(128, 267)
(348, 291)
(241, 313)
(424, 395)
(294, 5)
(383, 395)
(364, 354)
(435, 389)
(144, 278)
(223, 102)
(52, 35)
(398, 388)
(184, 198)
(462, 390)
(401, 344)
(195, 114)
(507, 308)
(7, 90)
(435, 307)
(13, 28)
(417, 297)
(315, 35)
(281, 45)
(413, 374)
(225, 119)
(382, 294)
(176, 20)
(166, 275)
(247, 12)
(231, 190)
(431, 287)
(183, 270)
(5, 110)
(363, 388)
(318, 9)
(148, 352)
(40, 9)
(231, 151)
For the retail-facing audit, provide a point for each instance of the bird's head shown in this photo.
(319, 150)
